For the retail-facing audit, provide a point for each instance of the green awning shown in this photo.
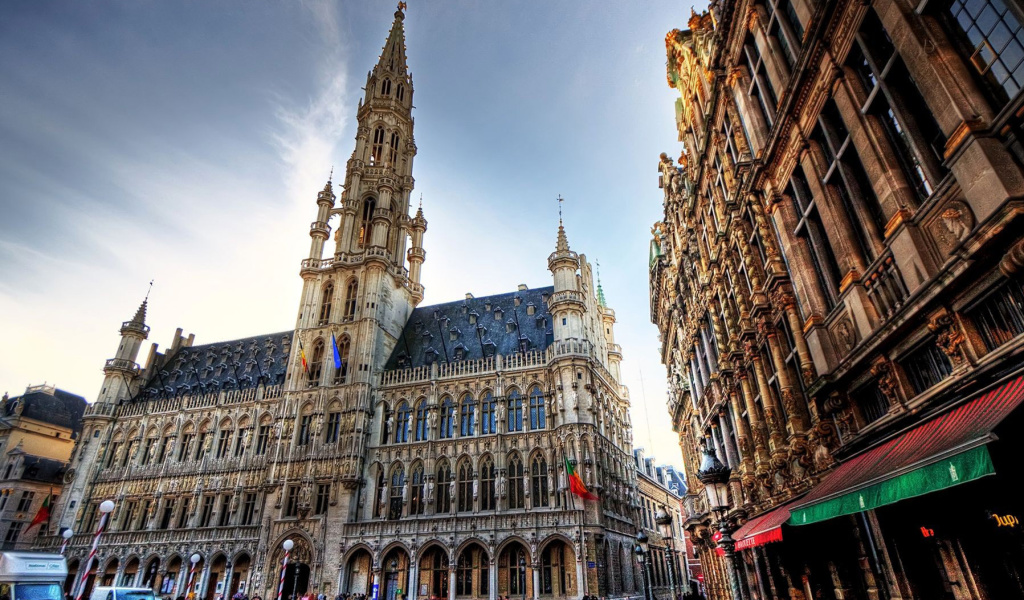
(947, 472)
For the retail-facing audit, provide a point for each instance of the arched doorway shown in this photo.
(358, 573)
(395, 574)
(215, 578)
(434, 572)
(514, 571)
(109, 572)
(197, 578)
(151, 574)
(239, 576)
(296, 581)
(296, 575)
(130, 572)
(472, 572)
(72, 578)
(169, 582)
(557, 569)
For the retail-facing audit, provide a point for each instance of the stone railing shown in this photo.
(196, 535)
(194, 401)
(317, 263)
(437, 525)
(885, 287)
(121, 364)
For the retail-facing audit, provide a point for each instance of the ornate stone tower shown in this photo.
(360, 298)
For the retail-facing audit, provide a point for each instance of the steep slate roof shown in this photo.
(62, 409)
(227, 365)
(430, 329)
(42, 469)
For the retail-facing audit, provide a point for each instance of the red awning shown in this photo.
(965, 427)
(762, 529)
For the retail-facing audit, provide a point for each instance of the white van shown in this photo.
(32, 576)
(120, 593)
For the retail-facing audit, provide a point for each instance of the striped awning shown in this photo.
(762, 529)
(945, 451)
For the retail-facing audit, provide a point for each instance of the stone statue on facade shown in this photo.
(501, 487)
(430, 491)
(406, 489)
(451, 490)
(431, 421)
(476, 487)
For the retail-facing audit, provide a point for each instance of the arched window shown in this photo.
(393, 149)
(350, 299)
(421, 421)
(538, 419)
(341, 373)
(487, 473)
(385, 87)
(326, 299)
(515, 411)
(400, 93)
(464, 575)
(316, 365)
(416, 494)
(397, 485)
(487, 422)
(539, 480)
(465, 486)
(369, 205)
(437, 570)
(516, 493)
(553, 575)
(377, 149)
(467, 413)
(381, 490)
(444, 480)
(402, 423)
(447, 418)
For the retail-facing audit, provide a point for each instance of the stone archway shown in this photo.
(472, 571)
(433, 571)
(515, 571)
(394, 574)
(297, 574)
(358, 573)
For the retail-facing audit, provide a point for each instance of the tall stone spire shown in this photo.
(392, 57)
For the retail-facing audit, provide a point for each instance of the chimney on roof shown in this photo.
(469, 295)
(523, 287)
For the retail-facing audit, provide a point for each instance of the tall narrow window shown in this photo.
(516, 493)
(464, 574)
(416, 494)
(326, 298)
(539, 481)
(487, 406)
(333, 430)
(262, 438)
(784, 25)
(397, 488)
(341, 373)
(377, 149)
(444, 480)
(323, 498)
(465, 486)
(248, 509)
(990, 36)
(447, 418)
(366, 222)
(291, 503)
(538, 419)
(316, 365)
(421, 421)
(386, 424)
(305, 429)
(393, 150)
(810, 228)
(381, 499)
(400, 92)
(515, 411)
(402, 423)
(487, 474)
(385, 87)
(760, 85)
(224, 443)
(207, 511)
(467, 413)
(351, 292)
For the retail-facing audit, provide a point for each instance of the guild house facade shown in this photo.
(403, 449)
(837, 281)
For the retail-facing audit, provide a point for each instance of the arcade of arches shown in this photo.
(551, 571)
(168, 577)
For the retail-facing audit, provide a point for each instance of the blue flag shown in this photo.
(337, 355)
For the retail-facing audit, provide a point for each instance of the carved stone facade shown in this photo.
(839, 253)
(421, 450)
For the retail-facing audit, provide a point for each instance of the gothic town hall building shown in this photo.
(431, 463)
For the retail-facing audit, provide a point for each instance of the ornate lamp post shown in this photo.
(192, 574)
(664, 521)
(715, 477)
(287, 545)
(67, 535)
(643, 556)
(522, 574)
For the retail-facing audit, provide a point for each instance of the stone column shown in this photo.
(579, 577)
(413, 583)
(451, 580)
(796, 410)
(204, 579)
(228, 567)
(179, 585)
(772, 410)
(535, 569)
(492, 576)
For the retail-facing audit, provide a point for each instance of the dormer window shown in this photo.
(544, 297)
(487, 306)
(489, 348)
(531, 308)
(473, 318)
(403, 361)
(460, 352)
(453, 334)
(498, 315)
(510, 326)
(418, 326)
(517, 300)
(430, 356)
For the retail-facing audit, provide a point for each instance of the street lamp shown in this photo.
(642, 551)
(192, 573)
(522, 574)
(106, 507)
(715, 477)
(67, 535)
(664, 521)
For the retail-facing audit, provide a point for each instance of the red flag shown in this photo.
(42, 515)
(576, 485)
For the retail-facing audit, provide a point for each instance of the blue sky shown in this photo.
(185, 142)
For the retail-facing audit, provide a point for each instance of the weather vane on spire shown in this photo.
(401, 6)
(421, 200)
(149, 290)
(560, 201)
(330, 177)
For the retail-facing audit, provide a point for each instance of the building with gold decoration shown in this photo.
(403, 449)
(837, 281)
